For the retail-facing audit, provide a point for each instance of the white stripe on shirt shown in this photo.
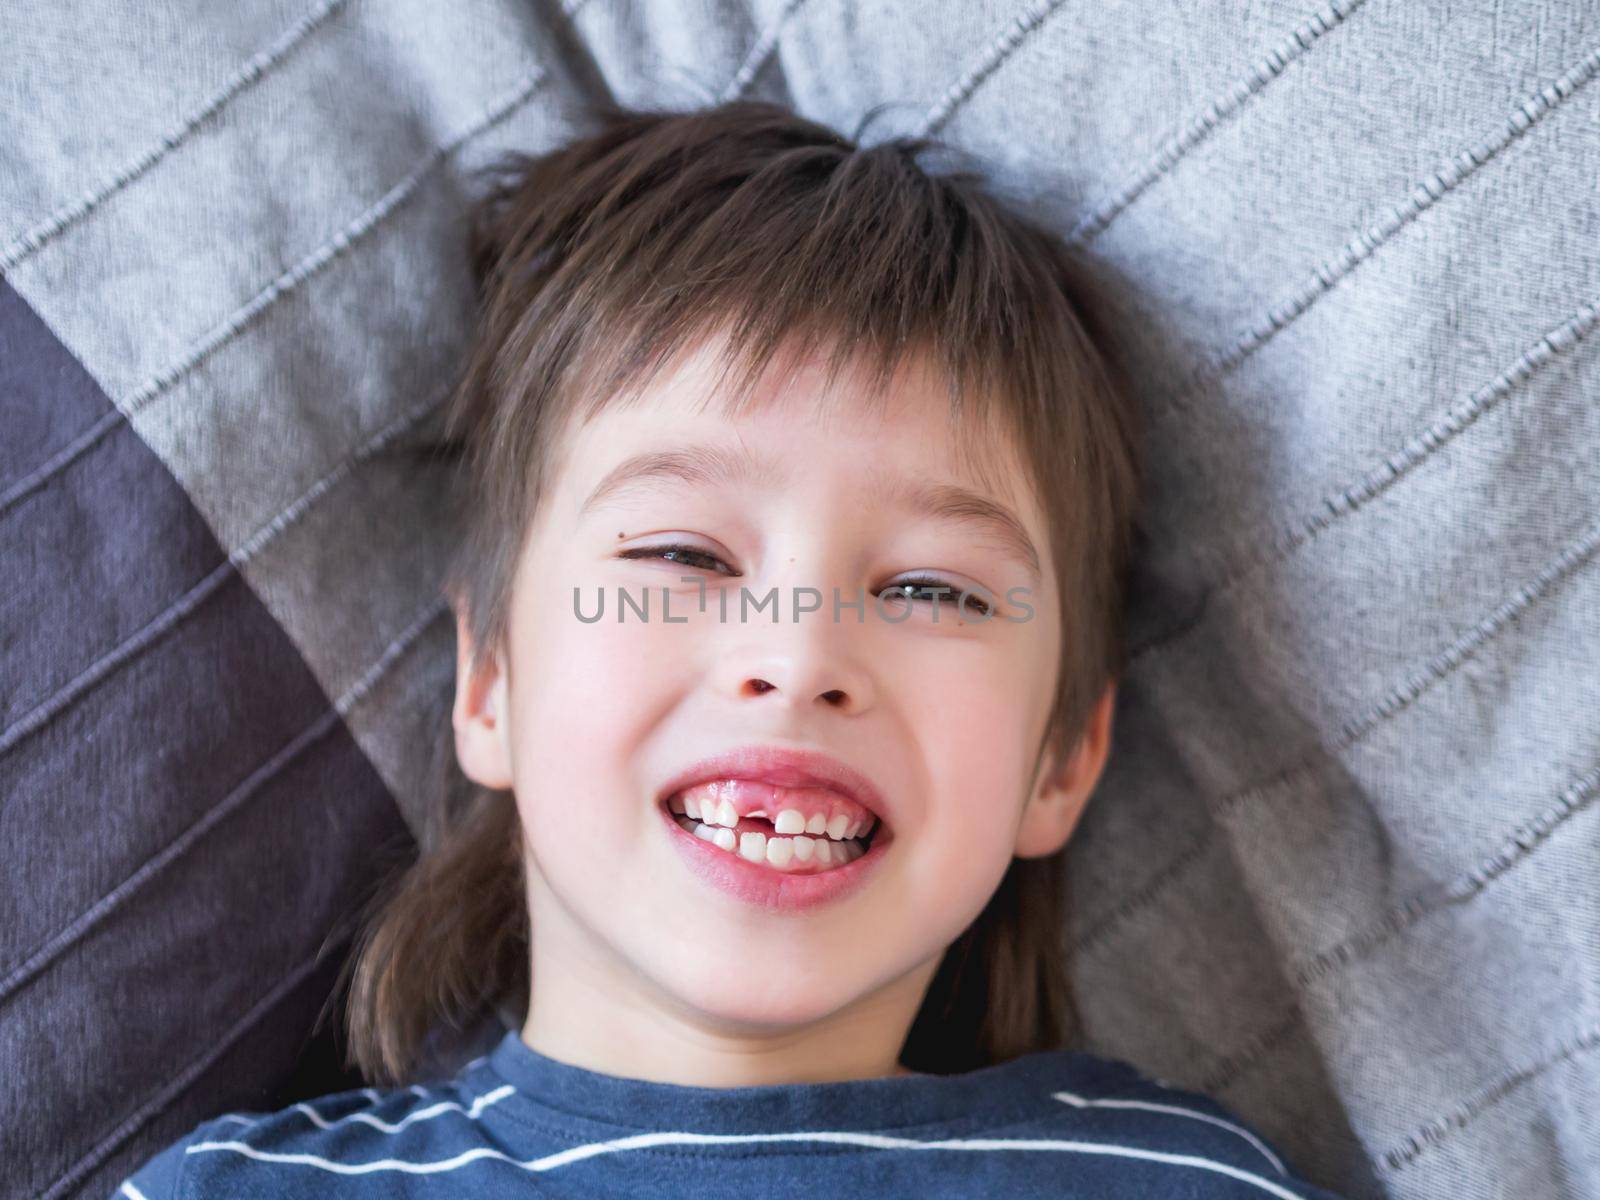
(422, 1114)
(642, 1141)
(1177, 1110)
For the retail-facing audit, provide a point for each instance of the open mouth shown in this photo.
(793, 830)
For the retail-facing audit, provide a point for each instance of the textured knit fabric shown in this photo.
(1340, 872)
(518, 1122)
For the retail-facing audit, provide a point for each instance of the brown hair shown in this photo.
(599, 263)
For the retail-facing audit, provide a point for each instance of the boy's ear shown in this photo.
(483, 741)
(1064, 787)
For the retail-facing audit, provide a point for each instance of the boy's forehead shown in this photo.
(870, 484)
(909, 424)
(895, 451)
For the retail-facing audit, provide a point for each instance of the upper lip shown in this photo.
(782, 766)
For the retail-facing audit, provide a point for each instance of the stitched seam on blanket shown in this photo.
(242, 318)
(1214, 115)
(1550, 346)
(1570, 559)
(760, 50)
(170, 620)
(1514, 848)
(1434, 670)
(250, 73)
(1307, 973)
(1223, 1073)
(1443, 182)
(194, 598)
(324, 724)
(180, 1083)
(1435, 1132)
(1000, 50)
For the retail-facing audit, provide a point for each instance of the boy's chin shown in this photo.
(740, 1008)
(764, 996)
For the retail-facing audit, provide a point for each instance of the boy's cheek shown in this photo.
(588, 627)
(976, 733)
(609, 677)
(598, 695)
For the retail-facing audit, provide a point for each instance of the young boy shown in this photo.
(799, 502)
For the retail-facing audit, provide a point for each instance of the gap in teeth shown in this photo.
(791, 853)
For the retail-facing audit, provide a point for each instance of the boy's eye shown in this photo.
(688, 556)
(936, 590)
(925, 588)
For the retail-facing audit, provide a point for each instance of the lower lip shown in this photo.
(766, 886)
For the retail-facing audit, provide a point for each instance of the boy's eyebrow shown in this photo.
(951, 502)
(686, 464)
(716, 464)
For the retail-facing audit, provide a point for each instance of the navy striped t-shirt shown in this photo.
(518, 1123)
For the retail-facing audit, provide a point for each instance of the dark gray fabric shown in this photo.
(185, 818)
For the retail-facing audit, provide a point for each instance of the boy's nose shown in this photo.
(836, 697)
(810, 677)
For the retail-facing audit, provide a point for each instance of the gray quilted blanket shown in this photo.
(1341, 872)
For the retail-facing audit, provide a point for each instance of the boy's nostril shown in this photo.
(834, 697)
(758, 686)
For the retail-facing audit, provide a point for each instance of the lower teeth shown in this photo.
(784, 853)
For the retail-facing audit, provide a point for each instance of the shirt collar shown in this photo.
(892, 1102)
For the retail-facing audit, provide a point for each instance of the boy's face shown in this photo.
(649, 939)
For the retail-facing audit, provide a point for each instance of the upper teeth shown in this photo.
(797, 842)
(841, 827)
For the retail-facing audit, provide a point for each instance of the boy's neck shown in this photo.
(619, 1036)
